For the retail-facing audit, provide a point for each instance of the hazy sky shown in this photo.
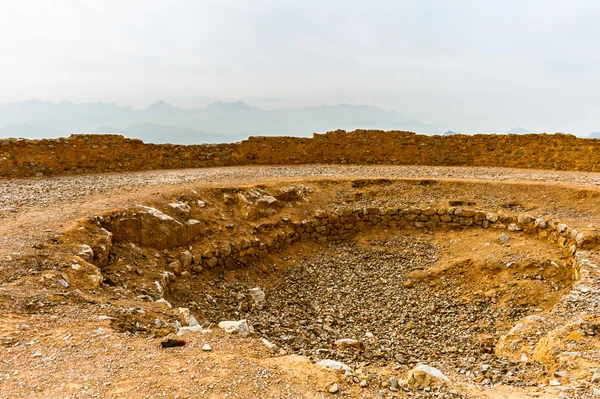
(470, 65)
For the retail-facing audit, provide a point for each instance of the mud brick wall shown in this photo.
(106, 153)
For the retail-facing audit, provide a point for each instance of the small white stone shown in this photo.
(100, 331)
(270, 345)
(333, 364)
(513, 227)
(63, 283)
(334, 388)
(206, 348)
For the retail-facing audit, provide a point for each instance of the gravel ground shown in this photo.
(44, 192)
(36, 209)
(366, 294)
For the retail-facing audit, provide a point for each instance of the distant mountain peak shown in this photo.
(160, 105)
(518, 130)
(224, 106)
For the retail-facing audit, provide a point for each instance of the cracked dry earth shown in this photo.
(445, 298)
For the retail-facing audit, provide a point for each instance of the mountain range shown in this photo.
(215, 123)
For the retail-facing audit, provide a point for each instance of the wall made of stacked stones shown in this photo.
(271, 237)
(105, 153)
(79, 154)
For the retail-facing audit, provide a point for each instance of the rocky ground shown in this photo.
(380, 303)
(383, 301)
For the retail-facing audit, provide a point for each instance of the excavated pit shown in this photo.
(403, 298)
(389, 286)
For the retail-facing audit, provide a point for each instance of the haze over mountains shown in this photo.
(216, 123)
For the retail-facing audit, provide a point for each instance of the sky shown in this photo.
(469, 65)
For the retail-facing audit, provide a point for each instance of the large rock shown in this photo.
(82, 274)
(426, 376)
(175, 266)
(235, 327)
(258, 295)
(187, 318)
(181, 207)
(587, 239)
(148, 227)
(125, 227)
(193, 228)
(225, 250)
(101, 245)
(186, 260)
(270, 345)
(160, 230)
(346, 343)
(86, 252)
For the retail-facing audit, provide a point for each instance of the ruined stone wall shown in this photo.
(538, 151)
(150, 227)
(105, 153)
(91, 153)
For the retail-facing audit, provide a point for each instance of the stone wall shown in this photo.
(271, 237)
(92, 153)
(106, 153)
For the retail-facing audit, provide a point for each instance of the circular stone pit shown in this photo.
(403, 298)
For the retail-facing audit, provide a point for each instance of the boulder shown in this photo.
(193, 229)
(270, 345)
(175, 266)
(587, 239)
(186, 259)
(258, 295)
(159, 230)
(426, 376)
(82, 274)
(514, 227)
(181, 207)
(187, 318)
(346, 343)
(235, 327)
(86, 252)
(101, 245)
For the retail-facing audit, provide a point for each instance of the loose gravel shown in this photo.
(347, 291)
(52, 191)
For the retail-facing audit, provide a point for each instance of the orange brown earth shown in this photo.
(488, 275)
